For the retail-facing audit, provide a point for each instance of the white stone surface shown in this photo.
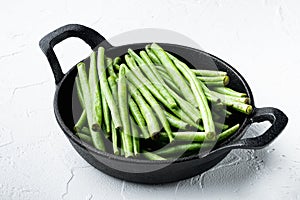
(261, 38)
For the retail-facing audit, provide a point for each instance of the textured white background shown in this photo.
(260, 38)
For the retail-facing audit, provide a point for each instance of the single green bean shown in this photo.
(228, 132)
(138, 117)
(124, 112)
(178, 149)
(233, 98)
(135, 137)
(117, 61)
(228, 91)
(83, 118)
(113, 87)
(106, 91)
(81, 121)
(228, 113)
(106, 114)
(96, 137)
(214, 78)
(114, 139)
(116, 67)
(95, 91)
(85, 138)
(174, 73)
(110, 67)
(208, 72)
(241, 107)
(152, 156)
(79, 92)
(217, 83)
(122, 152)
(185, 136)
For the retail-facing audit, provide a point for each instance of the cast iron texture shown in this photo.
(144, 171)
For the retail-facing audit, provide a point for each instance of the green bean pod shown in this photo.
(205, 79)
(117, 61)
(79, 92)
(186, 136)
(135, 137)
(106, 115)
(124, 112)
(85, 138)
(114, 139)
(200, 72)
(178, 149)
(226, 134)
(94, 90)
(217, 83)
(106, 91)
(81, 121)
(116, 67)
(138, 117)
(110, 67)
(233, 98)
(113, 87)
(228, 91)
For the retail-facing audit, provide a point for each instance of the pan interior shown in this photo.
(69, 108)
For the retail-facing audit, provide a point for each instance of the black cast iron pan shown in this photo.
(144, 171)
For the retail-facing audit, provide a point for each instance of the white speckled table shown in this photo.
(260, 38)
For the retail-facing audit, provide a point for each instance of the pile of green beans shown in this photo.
(151, 105)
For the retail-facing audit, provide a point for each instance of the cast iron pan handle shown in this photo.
(88, 35)
(278, 120)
